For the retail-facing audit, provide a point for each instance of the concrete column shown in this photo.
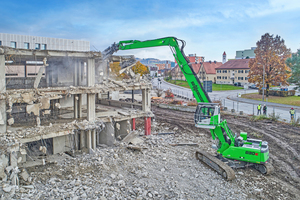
(89, 139)
(79, 105)
(75, 73)
(122, 129)
(79, 75)
(147, 125)
(107, 136)
(75, 99)
(82, 140)
(94, 139)
(2, 90)
(146, 100)
(76, 138)
(91, 72)
(39, 76)
(91, 115)
(91, 97)
(59, 144)
(133, 124)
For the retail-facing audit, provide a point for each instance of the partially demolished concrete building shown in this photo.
(65, 108)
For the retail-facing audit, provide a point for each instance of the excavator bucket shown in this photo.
(110, 51)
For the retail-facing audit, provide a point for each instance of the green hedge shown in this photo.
(279, 93)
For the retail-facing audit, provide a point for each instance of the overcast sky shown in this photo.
(208, 27)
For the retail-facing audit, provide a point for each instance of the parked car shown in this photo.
(253, 86)
(237, 84)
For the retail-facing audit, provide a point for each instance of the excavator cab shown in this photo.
(207, 115)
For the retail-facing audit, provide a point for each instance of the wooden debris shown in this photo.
(185, 144)
(136, 148)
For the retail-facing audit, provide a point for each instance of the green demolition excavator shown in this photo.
(232, 151)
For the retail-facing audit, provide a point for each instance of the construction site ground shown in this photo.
(154, 169)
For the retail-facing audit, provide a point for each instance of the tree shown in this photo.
(139, 68)
(294, 63)
(270, 54)
(115, 68)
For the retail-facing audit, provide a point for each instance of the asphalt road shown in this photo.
(231, 100)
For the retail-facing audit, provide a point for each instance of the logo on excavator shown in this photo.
(251, 153)
(195, 88)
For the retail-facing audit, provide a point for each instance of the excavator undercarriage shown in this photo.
(225, 166)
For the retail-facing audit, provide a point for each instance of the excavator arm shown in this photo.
(178, 53)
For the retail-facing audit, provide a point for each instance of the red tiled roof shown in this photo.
(224, 53)
(235, 64)
(196, 67)
(210, 67)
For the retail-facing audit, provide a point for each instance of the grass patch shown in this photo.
(215, 87)
(291, 100)
(258, 117)
(296, 122)
(180, 83)
(272, 117)
(221, 87)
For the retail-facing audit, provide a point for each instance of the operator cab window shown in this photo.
(207, 112)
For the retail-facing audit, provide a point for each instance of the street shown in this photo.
(231, 100)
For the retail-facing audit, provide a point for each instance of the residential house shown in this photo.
(207, 71)
(203, 70)
(233, 71)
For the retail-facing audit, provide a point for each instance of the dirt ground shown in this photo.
(284, 147)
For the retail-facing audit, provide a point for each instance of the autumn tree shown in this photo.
(294, 63)
(139, 68)
(115, 68)
(270, 56)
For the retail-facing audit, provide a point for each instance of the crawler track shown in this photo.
(219, 166)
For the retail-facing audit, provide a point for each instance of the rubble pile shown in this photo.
(149, 169)
(138, 167)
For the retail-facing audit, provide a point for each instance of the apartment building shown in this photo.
(193, 58)
(245, 54)
(233, 71)
(207, 71)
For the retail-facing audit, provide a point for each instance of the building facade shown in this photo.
(207, 71)
(245, 54)
(42, 43)
(233, 71)
(194, 59)
(163, 66)
(31, 68)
